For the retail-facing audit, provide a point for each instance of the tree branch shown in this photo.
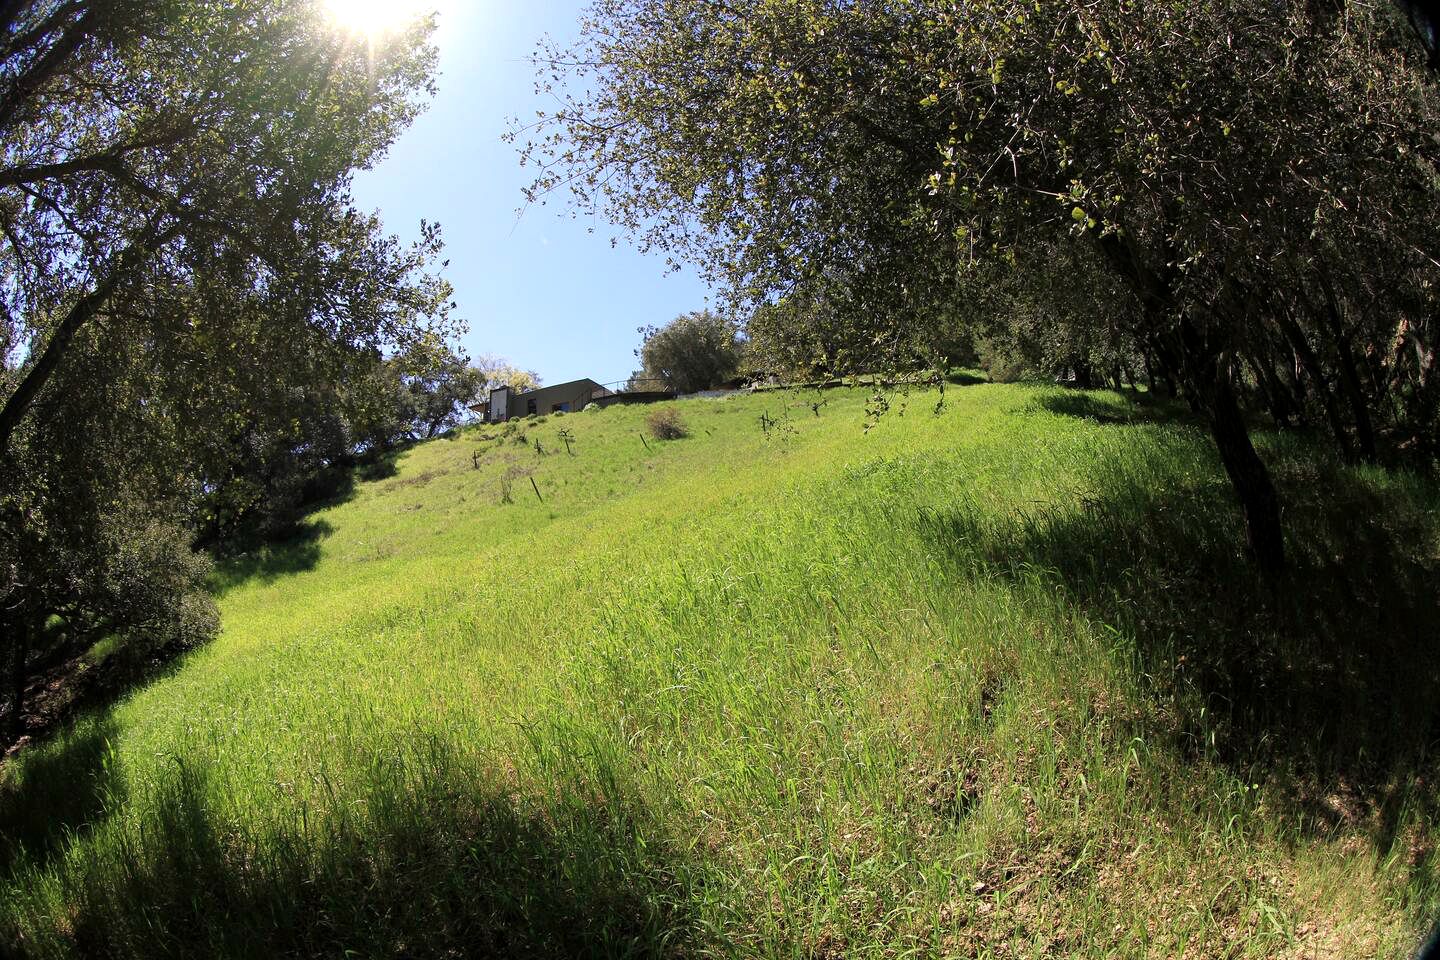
(84, 310)
(45, 67)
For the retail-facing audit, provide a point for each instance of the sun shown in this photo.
(375, 18)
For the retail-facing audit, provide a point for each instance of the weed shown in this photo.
(507, 482)
(773, 428)
(664, 423)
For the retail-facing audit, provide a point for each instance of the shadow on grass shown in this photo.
(381, 467)
(422, 858)
(297, 549)
(269, 562)
(84, 682)
(1326, 684)
(1109, 407)
(61, 793)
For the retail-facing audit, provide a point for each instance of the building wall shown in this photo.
(544, 401)
(498, 406)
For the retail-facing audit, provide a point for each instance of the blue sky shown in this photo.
(541, 291)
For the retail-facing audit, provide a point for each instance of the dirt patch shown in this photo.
(419, 480)
(950, 792)
(64, 690)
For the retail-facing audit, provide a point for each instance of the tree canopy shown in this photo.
(499, 372)
(696, 351)
(185, 280)
(1244, 181)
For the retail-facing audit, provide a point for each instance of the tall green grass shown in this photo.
(991, 680)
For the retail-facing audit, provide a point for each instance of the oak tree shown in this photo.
(1240, 172)
(180, 261)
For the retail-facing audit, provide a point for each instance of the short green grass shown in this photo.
(990, 679)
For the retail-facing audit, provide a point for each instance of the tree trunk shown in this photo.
(1198, 361)
(1296, 338)
(18, 677)
(1349, 379)
(18, 403)
(1166, 378)
(1359, 411)
(1249, 477)
(82, 312)
(1332, 320)
(1278, 398)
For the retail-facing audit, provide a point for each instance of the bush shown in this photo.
(155, 585)
(665, 424)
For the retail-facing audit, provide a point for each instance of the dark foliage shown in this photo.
(664, 423)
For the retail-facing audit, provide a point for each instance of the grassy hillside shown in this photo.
(989, 680)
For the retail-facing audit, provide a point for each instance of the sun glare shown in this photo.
(375, 18)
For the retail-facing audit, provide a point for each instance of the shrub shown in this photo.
(665, 424)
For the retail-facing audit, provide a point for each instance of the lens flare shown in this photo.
(375, 18)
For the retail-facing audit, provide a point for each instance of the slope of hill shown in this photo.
(985, 679)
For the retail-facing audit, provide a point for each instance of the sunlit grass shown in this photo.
(965, 684)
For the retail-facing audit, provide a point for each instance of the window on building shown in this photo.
(560, 408)
(530, 406)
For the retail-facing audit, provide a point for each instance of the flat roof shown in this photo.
(583, 381)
